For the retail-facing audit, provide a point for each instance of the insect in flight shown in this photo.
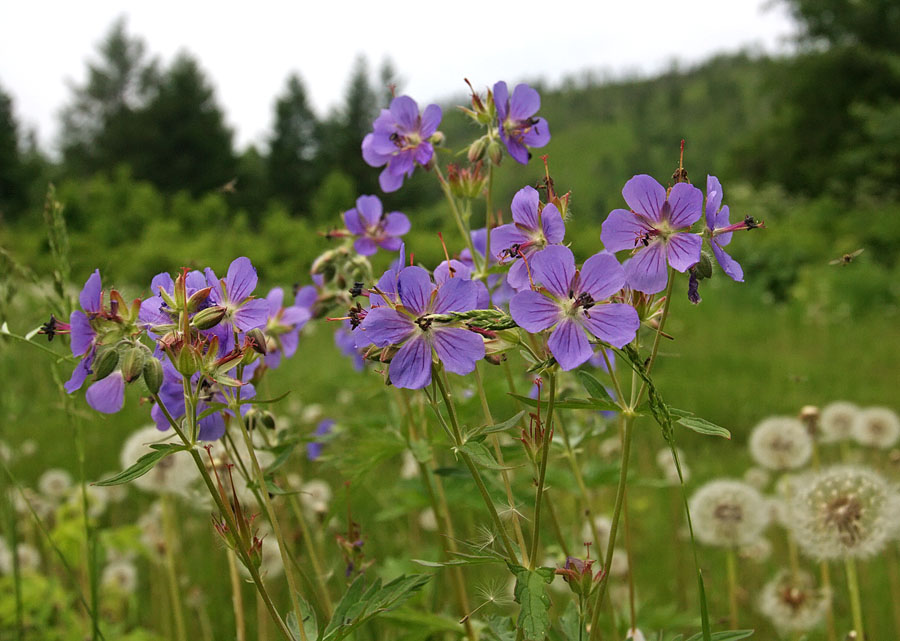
(846, 259)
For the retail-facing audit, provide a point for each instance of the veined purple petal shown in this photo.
(275, 300)
(459, 269)
(354, 222)
(615, 323)
(505, 236)
(365, 246)
(289, 342)
(384, 326)
(601, 276)
(720, 221)
(82, 334)
(524, 208)
(162, 281)
(645, 196)
(411, 366)
(424, 152)
(713, 200)
(193, 282)
(552, 224)
(370, 154)
(212, 427)
(538, 134)
(501, 100)
(370, 210)
(517, 150)
(108, 394)
(414, 287)
(431, 120)
(533, 311)
(91, 296)
(684, 250)
(405, 112)
(252, 314)
(458, 349)
(646, 271)
(554, 268)
(686, 205)
(240, 280)
(456, 295)
(396, 224)
(295, 315)
(306, 296)
(728, 264)
(569, 345)
(517, 276)
(524, 103)
(622, 230)
(79, 374)
(389, 181)
(216, 295)
(482, 295)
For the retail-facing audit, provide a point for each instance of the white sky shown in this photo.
(249, 48)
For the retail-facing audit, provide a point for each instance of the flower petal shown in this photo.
(354, 222)
(384, 326)
(554, 268)
(81, 332)
(552, 224)
(405, 112)
(685, 204)
(601, 276)
(458, 349)
(107, 395)
(622, 230)
(365, 246)
(240, 280)
(524, 207)
(411, 366)
(615, 323)
(728, 264)
(569, 344)
(275, 299)
(533, 311)
(442, 273)
(501, 99)
(524, 103)
(162, 280)
(414, 287)
(645, 196)
(212, 427)
(646, 271)
(517, 276)
(396, 224)
(538, 134)
(389, 181)
(91, 295)
(306, 296)
(713, 200)
(79, 374)
(370, 210)
(684, 250)
(431, 120)
(456, 295)
(505, 236)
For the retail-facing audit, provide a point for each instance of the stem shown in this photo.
(495, 442)
(545, 454)
(311, 550)
(488, 212)
(628, 557)
(557, 530)
(237, 599)
(262, 628)
(855, 606)
(473, 470)
(612, 374)
(579, 479)
(731, 568)
(662, 323)
(171, 571)
(825, 570)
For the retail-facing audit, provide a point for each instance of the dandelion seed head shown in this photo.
(666, 463)
(315, 495)
(428, 520)
(120, 576)
(28, 557)
(728, 512)
(610, 447)
(837, 421)
(877, 427)
(603, 524)
(55, 483)
(793, 603)
(780, 443)
(171, 475)
(757, 477)
(409, 468)
(842, 511)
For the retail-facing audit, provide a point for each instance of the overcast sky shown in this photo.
(249, 48)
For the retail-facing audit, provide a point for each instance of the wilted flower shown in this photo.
(518, 127)
(837, 421)
(728, 513)
(781, 443)
(573, 303)
(373, 228)
(400, 140)
(793, 603)
(877, 427)
(657, 226)
(843, 511)
(55, 483)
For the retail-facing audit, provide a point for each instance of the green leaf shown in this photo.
(499, 629)
(212, 408)
(593, 387)
(531, 594)
(360, 604)
(144, 464)
(727, 635)
(256, 401)
(572, 403)
(499, 427)
(569, 622)
(702, 426)
(468, 559)
(481, 456)
(310, 625)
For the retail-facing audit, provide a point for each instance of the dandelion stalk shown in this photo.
(172, 536)
(237, 599)
(731, 569)
(855, 603)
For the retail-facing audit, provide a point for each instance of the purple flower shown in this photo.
(499, 290)
(234, 293)
(314, 448)
(410, 326)
(154, 311)
(399, 139)
(108, 394)
(658, 226)
(373, 227)
(532, 229)
(519, 129)
(458, 269)
(718, 226)
(571, 302)
(283, 327)
(345, 339)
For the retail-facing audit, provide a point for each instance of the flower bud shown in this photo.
(197, 299)
(495, 152)
(704, 267)
(260, 418)
(477, 149)
(257, 340)
(187, 362)
(132, 364)
(437, 138)
(153, 374)
(105, 363)
(208, 318)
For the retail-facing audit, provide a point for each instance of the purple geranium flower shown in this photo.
(154, 311)
(410, 326)
(314, 448)
(658, 226)
(399, 139)
(500, 291)
(571, 302)
(234, 293)
(458, 269)
(373, 227)
(719, 228)
(345, 339)
(283, 327)
(519, 129)
(532, 229)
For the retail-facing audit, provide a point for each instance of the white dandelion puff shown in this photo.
(793, 603)
(877, 427)
(55, 483)
(781, 443)
(171, 475)
(836, 421)
(120, 576)
(428, 520)
(666, 463)
(757, 477)
(728, 513)
(603, 524)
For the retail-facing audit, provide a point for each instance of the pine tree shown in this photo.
(294, 172)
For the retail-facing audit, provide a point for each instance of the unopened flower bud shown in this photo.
(704, 267)
(188, 361)
(208, 318)
(257, 340)
(477, 149)
(256, 417)
(132, 364)
(495, 152)
(153, 374)
(106, 363)
(197, 299)
(437, 138)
